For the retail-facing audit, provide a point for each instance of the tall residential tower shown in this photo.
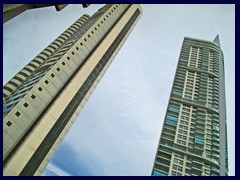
(193, 140)
(42, 101)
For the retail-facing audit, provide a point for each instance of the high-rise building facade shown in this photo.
(193, 140)
(42, 101)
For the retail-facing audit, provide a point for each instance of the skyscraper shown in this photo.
(42, 101)
(193, 140)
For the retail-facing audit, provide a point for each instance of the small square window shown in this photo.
(85, 39)
(40, 89)
(88, 35)
(104, 19)
(9, 123)
(68, 58)
(58, 69)
(77, 48)
(52, 75)
(25, 105)
(81, 44)
(17, 114)
(95, 28)
(46, 82)
(73, 53)
(101, 22)
(98, 25)
(92, 32)
(63, 63)
(33, 96)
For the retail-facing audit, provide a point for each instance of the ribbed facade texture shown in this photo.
(42, 101)
(193, 140)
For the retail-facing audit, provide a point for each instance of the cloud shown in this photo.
(68, 161)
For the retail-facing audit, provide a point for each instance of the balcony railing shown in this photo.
(192, 153)
(164, 156)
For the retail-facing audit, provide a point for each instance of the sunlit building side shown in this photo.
(42, 101)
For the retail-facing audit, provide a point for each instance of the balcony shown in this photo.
(165, 157)
(200, 131)
(215, 115)
(169, 127)
(201, 113)
(199, 141)
(162, 163)
(198, 149)
(174, 124)
(197, 168)
(215, 149)
(165, 150)
(156, 173)
(215, 169)
(169, 133)
(194, 173)
(188, 166)
(216, 128)
(200, 117)
(215, 143)
(215, 119)
(199, 155)
(215, 133)
(200, 121)
(201, 127)
(167, 137)
(161, 169)
(216, 155)
(216, 139)
(198, 162)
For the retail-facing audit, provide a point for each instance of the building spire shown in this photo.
(217, 40)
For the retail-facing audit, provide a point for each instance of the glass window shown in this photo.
(199, 140)
(17, 114)
(33, 96)
(25, 105)
(173, 109)
(155, 173)
(172, 118)
(9, 123)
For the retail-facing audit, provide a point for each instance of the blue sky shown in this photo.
(119, 128)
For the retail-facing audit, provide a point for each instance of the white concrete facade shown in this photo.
(81, 58)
